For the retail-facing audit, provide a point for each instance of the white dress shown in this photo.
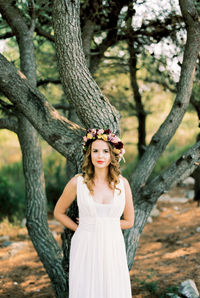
(98, 264)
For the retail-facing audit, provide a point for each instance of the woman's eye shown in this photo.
(106, 151)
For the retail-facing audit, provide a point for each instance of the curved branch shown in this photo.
(196, 105)
(168, 128)
(9, 123)
(62, 106)
(45, 34)
(6, 35)
(24, 36)
(60, 133)
(47, 81)
(6, 107)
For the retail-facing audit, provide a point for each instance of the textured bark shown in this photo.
(93, 109)
(87, 35)
(46, 246)
(36, 209)
(9, 123)
(60, 133)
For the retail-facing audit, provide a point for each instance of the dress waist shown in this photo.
(92, 223)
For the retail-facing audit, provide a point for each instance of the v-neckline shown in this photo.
(103, 204)
(92, 198)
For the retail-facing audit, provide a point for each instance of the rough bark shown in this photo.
(60, 133)
(87, 35)
(36, 209)
(9, 123)
(46, 246)
(93, 109)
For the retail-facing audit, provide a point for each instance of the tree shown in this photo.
(94, 110)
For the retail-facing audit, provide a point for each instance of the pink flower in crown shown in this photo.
(115, 139)
(100, 131)
(110, 137)
(122, 151)
(85, 139)
(93, 131)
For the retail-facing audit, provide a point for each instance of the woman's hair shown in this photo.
(113, 169)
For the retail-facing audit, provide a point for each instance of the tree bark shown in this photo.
(59, 132)
(93, 109)
(36, 209)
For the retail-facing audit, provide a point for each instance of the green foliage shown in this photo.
(154, 288)
(151, 286)
(172, 153)
(54, 170)
(12, 197)
(12, 186)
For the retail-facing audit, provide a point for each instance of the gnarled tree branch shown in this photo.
(60, 133)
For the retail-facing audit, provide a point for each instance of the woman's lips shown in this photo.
(100, 161)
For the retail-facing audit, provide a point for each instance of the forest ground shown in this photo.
(168, 254)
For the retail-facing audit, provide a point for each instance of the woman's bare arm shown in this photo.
(128, 216)
(65, 200)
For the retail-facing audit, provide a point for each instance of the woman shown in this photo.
(98, 264)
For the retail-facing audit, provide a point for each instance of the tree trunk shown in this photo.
(46, 246)
(93, 109)
(36, 205)
(141, 114)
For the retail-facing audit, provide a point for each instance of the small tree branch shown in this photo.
(196, 105)
(47, 81)
(43, 33)
(6, 35)
(62, 106)
(9, 123)
(31, 5)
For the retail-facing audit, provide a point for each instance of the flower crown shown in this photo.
(105, 135)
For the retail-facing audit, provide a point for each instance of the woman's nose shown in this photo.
(100, 153)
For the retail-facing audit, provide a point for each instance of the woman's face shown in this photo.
(100, 154)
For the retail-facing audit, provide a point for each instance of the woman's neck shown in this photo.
(101, 174)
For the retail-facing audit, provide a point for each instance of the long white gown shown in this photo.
(98, 264)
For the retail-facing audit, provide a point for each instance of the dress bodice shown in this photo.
(89, 208)
(103, 210)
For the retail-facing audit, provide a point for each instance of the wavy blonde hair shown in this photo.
(113, 169)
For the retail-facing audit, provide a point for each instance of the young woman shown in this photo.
(98, 263)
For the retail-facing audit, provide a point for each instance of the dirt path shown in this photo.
(168, 254)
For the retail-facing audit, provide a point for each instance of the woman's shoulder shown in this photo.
(73, 181)
(124, 180)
